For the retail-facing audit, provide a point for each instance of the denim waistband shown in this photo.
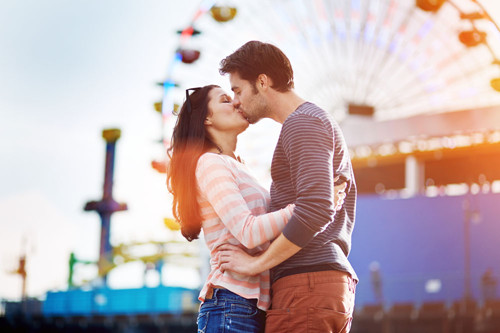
(221, 293)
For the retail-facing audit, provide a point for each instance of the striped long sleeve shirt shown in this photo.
(233, 208)
(310, 152)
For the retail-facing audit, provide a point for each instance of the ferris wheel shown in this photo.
(384, 58)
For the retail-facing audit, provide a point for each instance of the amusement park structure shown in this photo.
(107, 205)
(153, 254)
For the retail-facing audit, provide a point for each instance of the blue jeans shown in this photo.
(228, 312)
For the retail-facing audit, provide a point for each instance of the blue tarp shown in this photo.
(419, 245)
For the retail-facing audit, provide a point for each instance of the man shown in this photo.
(313, 283)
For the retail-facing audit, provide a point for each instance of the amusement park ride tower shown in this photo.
(107, 205)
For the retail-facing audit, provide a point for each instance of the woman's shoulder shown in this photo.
(211, 160)
(209, 157)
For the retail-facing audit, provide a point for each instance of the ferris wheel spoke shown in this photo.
(390, 54)
(457, 84)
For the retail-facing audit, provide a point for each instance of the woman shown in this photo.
(212, 190)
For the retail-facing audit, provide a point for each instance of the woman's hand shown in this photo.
(339, 194)
(235, 259)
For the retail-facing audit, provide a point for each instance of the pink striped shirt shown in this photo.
(234, 210)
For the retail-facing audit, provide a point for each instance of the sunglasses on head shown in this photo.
(188, 99)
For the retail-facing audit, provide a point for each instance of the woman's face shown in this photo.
(222, 114)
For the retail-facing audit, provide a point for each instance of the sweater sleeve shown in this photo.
(218, 185)
(308, 146)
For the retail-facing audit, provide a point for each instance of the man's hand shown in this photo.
(339, 194)
(233, 258)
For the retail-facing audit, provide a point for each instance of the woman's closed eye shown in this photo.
(227, 99)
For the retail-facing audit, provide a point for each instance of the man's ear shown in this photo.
(264, 81)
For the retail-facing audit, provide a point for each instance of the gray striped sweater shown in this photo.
(310, 153)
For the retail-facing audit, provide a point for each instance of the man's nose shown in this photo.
(236, 103)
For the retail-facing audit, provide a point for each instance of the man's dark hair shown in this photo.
(255, 58)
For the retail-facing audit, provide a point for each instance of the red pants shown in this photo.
(312, 302)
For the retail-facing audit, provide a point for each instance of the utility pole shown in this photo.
(467, 272)
(107, 205)
(21, 270)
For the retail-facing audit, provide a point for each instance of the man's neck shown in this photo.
(284, 104)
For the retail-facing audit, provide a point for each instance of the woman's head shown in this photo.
(206, 113)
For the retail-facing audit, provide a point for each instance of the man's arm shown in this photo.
(233, 258)
(308, 146)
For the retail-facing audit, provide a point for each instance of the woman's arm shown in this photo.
(218, 185)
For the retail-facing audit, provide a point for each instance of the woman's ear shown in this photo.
(207, 121)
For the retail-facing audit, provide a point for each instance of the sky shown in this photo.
(68, 70)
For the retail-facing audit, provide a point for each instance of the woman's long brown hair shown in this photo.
(189, 142)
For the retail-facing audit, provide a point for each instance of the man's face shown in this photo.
(247, 99)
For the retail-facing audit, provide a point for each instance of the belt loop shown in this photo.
(216, 291)
(311, 281)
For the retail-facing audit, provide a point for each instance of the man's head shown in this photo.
(252, 69)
